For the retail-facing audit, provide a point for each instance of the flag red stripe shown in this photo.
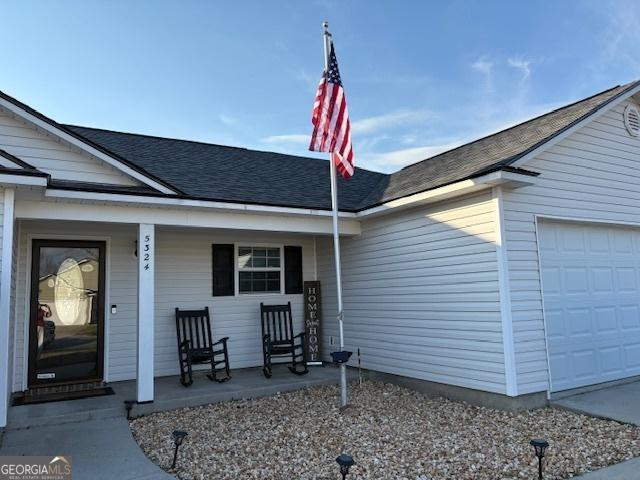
(330, 119)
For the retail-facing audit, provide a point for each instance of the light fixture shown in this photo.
(346, 462)
(178, 438)
(128, 404)
(540, 447)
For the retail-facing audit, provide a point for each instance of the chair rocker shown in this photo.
(279, 341)
(195, 346)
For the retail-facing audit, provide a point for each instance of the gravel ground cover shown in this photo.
(392, 433)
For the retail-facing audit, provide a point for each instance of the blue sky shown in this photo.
(420, 76)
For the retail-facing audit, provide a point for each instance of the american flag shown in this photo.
(330, 119)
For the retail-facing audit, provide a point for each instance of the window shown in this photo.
(259, 270)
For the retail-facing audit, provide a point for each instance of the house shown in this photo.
(500, 271)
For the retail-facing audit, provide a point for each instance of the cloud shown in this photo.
(294, 138)
(521, 64)
(228, 120)
(483, 66)
(392, 160)
(388, 120)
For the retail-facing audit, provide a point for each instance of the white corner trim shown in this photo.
(114, 162)
(505, 295)
(5, 300)
(446, 192)
(561, 136)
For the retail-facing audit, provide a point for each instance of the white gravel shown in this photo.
(392, 433)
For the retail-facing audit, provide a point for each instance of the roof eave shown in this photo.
(504, 176)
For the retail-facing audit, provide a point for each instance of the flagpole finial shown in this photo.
(325, 25)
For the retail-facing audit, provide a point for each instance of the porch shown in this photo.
(169, 395)
(135, 274)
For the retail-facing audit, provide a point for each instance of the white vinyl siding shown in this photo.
(594, 175)
(53, 156)
(183, 279)
(421, 294)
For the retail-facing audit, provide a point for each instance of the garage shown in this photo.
(590, 282)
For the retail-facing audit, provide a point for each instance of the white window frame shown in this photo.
(250, 244)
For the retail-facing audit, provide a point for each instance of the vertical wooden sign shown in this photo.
(312, 325)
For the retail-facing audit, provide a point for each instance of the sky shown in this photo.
(420, 77)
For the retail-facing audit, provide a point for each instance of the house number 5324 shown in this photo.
(146, 248)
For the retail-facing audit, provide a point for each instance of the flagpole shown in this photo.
(336, 236)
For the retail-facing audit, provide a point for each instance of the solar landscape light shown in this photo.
(128, 404)
(341, 357)
(178, 438)
(540, 447)
(346, 462)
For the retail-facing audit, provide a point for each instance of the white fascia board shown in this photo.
(114, 162)
(183, 202)
(185, 217)
(9, 179)
(457, 189)
(561, 136)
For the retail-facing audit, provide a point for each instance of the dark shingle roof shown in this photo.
(233, 174)
(239, 175)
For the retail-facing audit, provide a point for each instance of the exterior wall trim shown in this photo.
(186, 202)
(544, 311)
(511, 380)
(5, 300)
(191, 217)
(446, 192)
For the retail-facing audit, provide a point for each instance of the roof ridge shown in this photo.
(200, 142)
(157, 137)
(564, 107)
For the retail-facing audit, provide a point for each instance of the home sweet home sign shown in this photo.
(312, 322)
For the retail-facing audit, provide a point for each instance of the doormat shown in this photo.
(42, 397)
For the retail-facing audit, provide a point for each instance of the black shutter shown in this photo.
(223, 270)
(292, 269)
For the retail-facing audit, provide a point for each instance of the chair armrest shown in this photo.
(265, 338)
(222, 340)
(184, 344)
(300, 335)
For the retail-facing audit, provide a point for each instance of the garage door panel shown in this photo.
(606, 319)
(629, 318)
(627, 280)
(632, 356)
(591, 279)
(611, 359)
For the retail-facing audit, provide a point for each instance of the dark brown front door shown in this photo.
(66, 321)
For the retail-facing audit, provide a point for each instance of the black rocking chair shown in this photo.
(195, 347)
(278, 339)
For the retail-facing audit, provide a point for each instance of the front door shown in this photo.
(67, 312)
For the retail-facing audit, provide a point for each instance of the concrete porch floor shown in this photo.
(169, 395)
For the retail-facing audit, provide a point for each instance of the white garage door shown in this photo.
(591, 285)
